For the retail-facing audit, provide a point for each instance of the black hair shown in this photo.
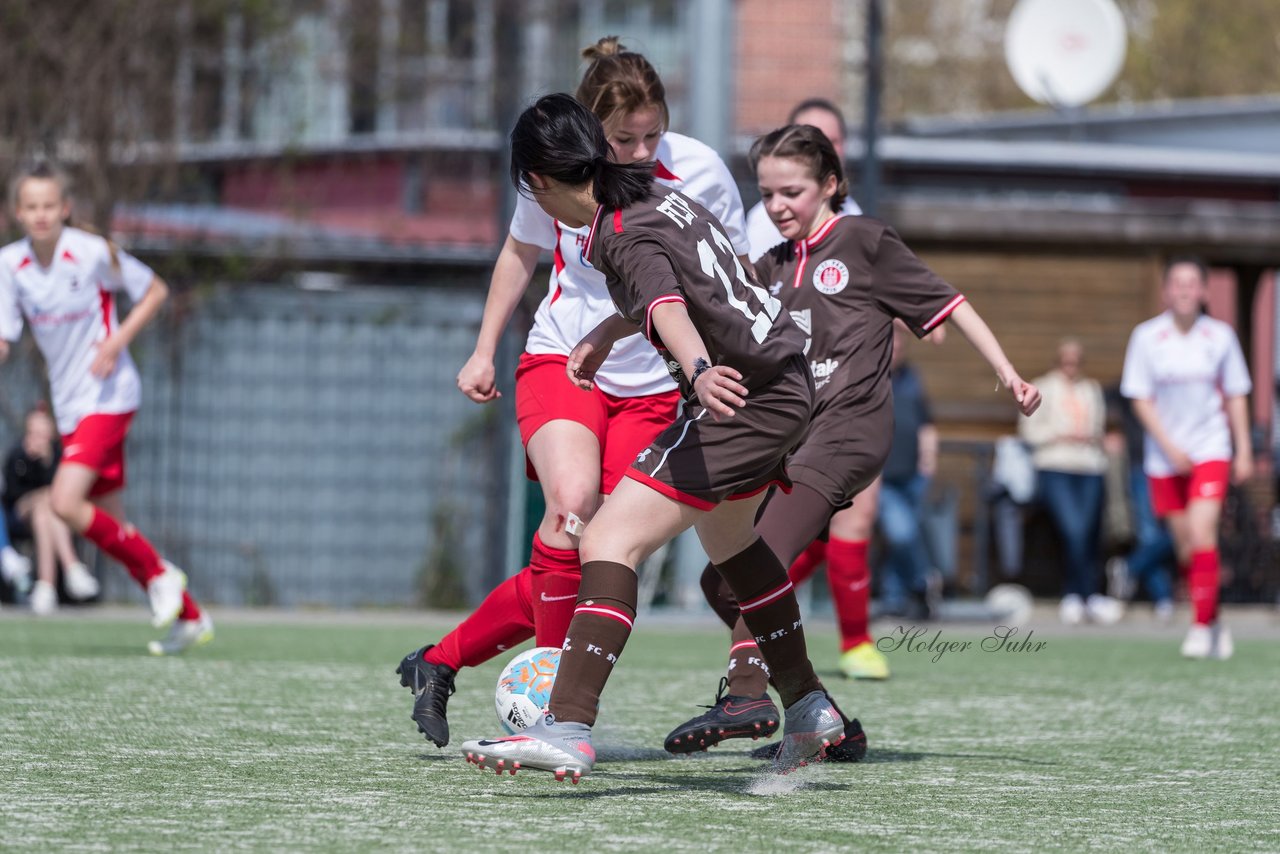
(1193, 260)
(811, 147)
(561, 139)
(818, 104)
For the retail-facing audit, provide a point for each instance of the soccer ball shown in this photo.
(524, 688)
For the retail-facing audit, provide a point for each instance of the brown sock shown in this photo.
(748, 675)
(770, 610)
(599, 630)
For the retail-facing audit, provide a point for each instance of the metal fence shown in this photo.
(299, 447)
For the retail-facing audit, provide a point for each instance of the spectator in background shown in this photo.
(15, 567)
(28, 475)
(1189, 383)
(1065, 436)
(1147, 564)
(912, 462)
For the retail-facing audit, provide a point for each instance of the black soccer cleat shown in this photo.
(730, 717)
(432, 685)
(851, 749)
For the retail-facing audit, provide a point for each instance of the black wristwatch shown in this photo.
(699, 366)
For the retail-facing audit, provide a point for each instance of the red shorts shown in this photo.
(1207, 481)
(624, 426)
(98, 443)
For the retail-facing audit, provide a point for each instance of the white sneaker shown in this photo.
(183, 635)
(44, 599)
(1103, 609)
(1199, 642)
(79, 582)
(16, 568)
(1223, 646)
(165, 592)
(1071, 611)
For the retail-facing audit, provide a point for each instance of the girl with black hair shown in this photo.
(739, 360)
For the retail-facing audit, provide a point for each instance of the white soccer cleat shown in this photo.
(813, 724)
(16, 568)
(79, 582)
(184, 635)
(165, 592)
(1103, 610)
(1071, 611)
(562, 749)
(1199, 642)
(1223, 646)
(44, 599)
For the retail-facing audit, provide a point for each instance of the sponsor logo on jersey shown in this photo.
(581, 241)
(831, 276)
(822, 371)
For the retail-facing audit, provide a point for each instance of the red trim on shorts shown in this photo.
(661, 171)
(785, 487)
(670, 491)
(945, 313)
(617, 221)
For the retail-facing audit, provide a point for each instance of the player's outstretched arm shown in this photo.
(717, 386)
(109, 350)
(589, 353)
(973, 327)
(511, 274)
(1238, 417)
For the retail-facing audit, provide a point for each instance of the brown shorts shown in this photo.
(844, 450)
(700, 461)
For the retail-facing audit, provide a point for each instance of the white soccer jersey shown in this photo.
(577, 300)
(70, 307)
(1188, 377)
(763, 235)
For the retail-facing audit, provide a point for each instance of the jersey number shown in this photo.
(760, 323)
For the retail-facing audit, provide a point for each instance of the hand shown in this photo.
(475, 380)
(928, 466)
(585, 361)
(1024, 393)
(104, 362)
(938, 335)
(719, 391)
(1242, 468)
(1178, 458)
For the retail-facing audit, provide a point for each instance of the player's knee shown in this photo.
(64, 503)
(579, 498)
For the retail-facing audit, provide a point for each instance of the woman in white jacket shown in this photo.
(1065, 436)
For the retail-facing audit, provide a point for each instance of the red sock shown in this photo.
(850, 580)
(503, 620)
(807, 564)
(127, 546)
(190, 610)
(1202, 585)
(556, 576)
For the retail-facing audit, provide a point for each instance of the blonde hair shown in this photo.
(619, 82)
(44, 170)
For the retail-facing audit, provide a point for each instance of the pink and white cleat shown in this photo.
(563, 749)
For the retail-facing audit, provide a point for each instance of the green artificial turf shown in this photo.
(294, 734)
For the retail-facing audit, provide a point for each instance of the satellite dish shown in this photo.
(1065, 53)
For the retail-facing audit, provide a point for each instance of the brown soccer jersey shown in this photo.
(844, 286)
(665, 248)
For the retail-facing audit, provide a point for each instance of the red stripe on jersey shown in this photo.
(804, 259)
(67, 256)
(26, 262)
(670, 491)
(761, 601)
(945, 313)
(591, 235)
(648, 312)
(604, 612)
(558, 259)
(660, 171)
(104, 296)
(824, 231)
(617, 221)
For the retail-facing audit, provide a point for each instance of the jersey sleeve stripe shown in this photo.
(648, 312)
(945, 313)
(104, 297)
